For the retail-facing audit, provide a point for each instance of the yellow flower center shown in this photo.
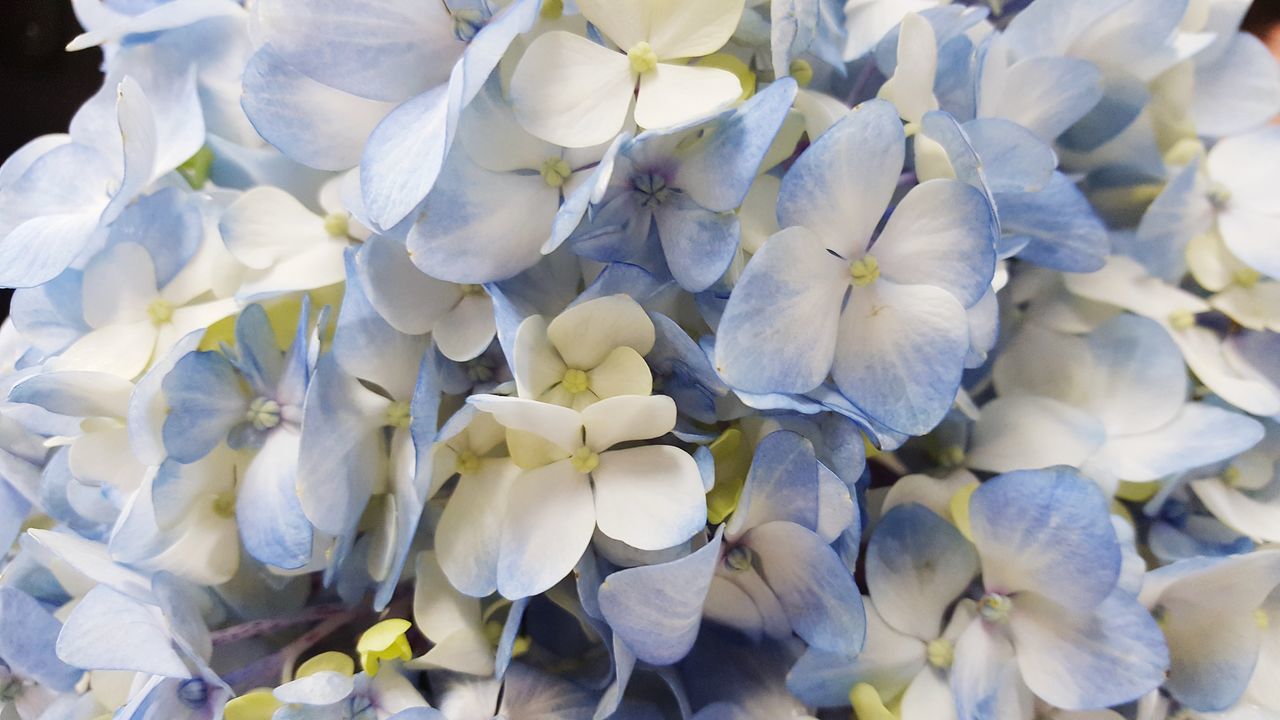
(224, 506)
(1231, 476)
(160, 311)
(802, 71)
(995, 607)
(471, 289)
(1247, 277)
(584, 461)
(941, 653)
(264, 413)
(1182, 319)
(865, 271)
(555, 171)
(337, 224)
(643, 58)
(398, 414)
(575, 381)
(467, 463)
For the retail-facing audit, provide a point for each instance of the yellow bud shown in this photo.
(867, 704)
(327, 662)
(337, 224)
(257, 704)
(552, 9)
(384, 641)
(960, 509)
(802, 71)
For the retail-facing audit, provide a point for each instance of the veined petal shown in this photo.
(407, 298)
(778, 330)
(1199, 435)
(627, 417)
(111, 631)
(671, 94)
(273, 527)
(941, 234)
(682, 29)
(1047, 532)
(657, 609)
(586, 333)
(468, 536)
(650, 498)
(570, 91)
(900, 354)
(840, 186)
(546, 527)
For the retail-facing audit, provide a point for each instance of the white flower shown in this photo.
(573, 92)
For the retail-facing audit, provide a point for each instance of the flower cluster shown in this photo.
(637, 359)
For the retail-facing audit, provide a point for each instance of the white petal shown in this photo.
(681, 29)
(118, 285)
(623, 372)
(466, 331)
(266, 224)
(911, 87)
(559, 425)
(467, 538)
(628, 417)
(585, 334)
(570, 91)
(536, 364)
(1022, 432)
(675, 94)
(650, 498)
(547, 525)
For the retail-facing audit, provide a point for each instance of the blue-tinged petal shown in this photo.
(386, 50)
(14, 509)
(1013, 158)
(486, 49)
(1208, 609)
(273, 527)
(1045, 95)
(942, 234)
(409, 300)
(1110, 655)
(1061, 229)
(1019, 432)
(343, 451)
(167, 224)
(40, 248)
(778, 332)
(813, 586)
(686, 370)
(985, 677)
(888, 662)
(91, 559)
(140, 134)
(590, 191)
(1238, 91)
(917, 564)
(111, 631)
(205, 402)
(467, 536)
(900, 353)
(527, 692)
(1138, 380)
(296, 114)
(718, 171)
(698, 244)
(546, 527)
(1180, 212)
(75, 393)
(418, 713)
(507, 640)
(1198, 435)
(479, 226)
(394, 366)
(28, 641)
(657, 609)
(841, 185)
(257, 352)
(1047, 532)
(782, 484)
(403, 157)
(50, 317)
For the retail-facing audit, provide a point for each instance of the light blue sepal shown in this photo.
(657, 609)
(28, 641)
(205, 402)
(273, 527)
(1061, 229)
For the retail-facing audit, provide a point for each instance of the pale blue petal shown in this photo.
(782, 484)
(917, 565)
(657, 609)
(110, 631)
(50, 316)
(205, 403)
(942, 234)
(76, 393)
(984, 676)
(297, 114)
(1238, 90)
(479, 226)
(273, 527)
(1014, 159)
(1108, 656)
(257, 353)
(403, 157)
(393, 366)
(1047, 95)
(1062, 230)
(718, 171)
(698, 244)
(1047, 532)
(26, 646)
(167, 224)
(778, 332)
(900, 354)
(813, 585)
(840, 186)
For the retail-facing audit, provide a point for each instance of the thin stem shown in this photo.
(264, 626)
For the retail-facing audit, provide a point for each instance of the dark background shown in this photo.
(41, 85)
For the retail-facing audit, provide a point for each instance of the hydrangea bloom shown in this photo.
(636, 359)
